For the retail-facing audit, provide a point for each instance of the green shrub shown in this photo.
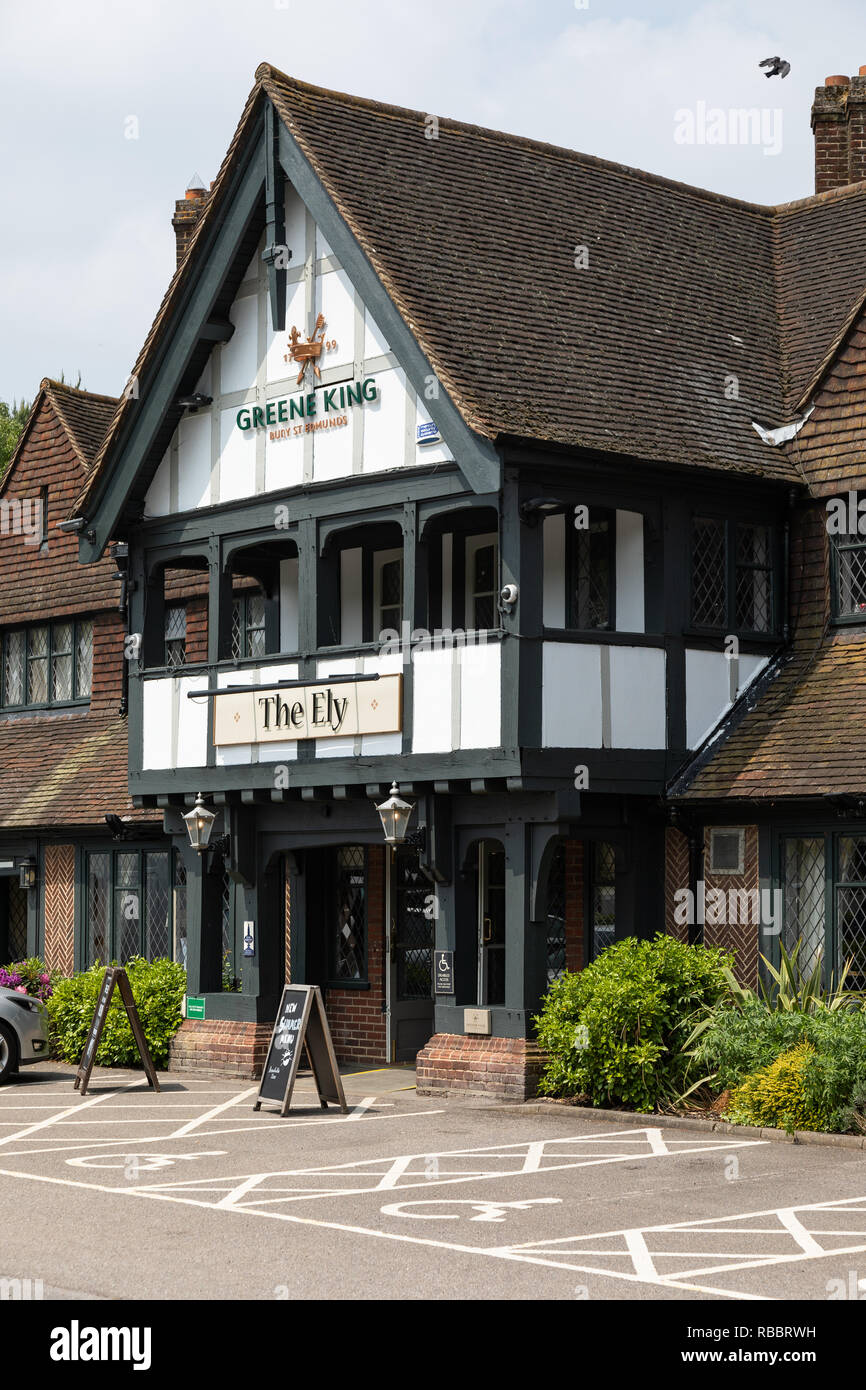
(615, 1031)
(777, 1095)
(157, 987)
(739, 1042)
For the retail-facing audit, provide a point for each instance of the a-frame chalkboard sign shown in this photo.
(114, 975)
(300, 1022)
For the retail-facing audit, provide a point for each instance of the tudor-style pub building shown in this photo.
(456, 441)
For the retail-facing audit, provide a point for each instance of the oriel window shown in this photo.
(175, 636)
(732, 566)
(590, 573)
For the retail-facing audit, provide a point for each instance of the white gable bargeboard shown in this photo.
(360, 415)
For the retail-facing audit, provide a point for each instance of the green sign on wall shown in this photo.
(194, 1006)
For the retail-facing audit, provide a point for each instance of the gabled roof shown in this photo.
(474, 236)
(83, 415)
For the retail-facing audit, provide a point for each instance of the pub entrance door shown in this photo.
(410, 965)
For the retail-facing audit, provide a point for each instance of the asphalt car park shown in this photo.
(405, 1197)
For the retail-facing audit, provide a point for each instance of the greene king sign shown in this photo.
(315, 409)
(320, 710)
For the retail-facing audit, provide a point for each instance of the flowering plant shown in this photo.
(29, 977)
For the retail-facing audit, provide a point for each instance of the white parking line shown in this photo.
(210, 1114)
(62, 1114)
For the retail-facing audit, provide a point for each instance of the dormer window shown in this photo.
(848, 571)
(732, 576)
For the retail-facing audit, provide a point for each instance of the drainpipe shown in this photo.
(696, 874)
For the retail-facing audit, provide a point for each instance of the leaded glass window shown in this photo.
(484, 584)
(591, 573)
(47, 664)
(556, 915)
(849, 579)
(175, 636)
(603, 897)
(753, 599)
(98, 908)
(248, 626)
(732, 575)
(708, 572)
(413, 928)
(804, 918)
(350, 932)
(135, 905)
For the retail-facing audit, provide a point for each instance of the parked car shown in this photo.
(23, 1031)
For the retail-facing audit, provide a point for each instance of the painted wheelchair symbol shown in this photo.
(486, 1211)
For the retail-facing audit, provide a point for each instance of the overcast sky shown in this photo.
(86, 245)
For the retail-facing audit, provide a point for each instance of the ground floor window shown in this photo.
(556, 915)
(349, 940)
(135, 905)
(602, 897)
(824, 896)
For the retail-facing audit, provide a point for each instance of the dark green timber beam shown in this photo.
(190, 320)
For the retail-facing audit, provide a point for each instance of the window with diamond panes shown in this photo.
(603, 897)
(556, 915)
(804, 862)
(849, 580)
(132, 900)
(851, 910)
(16, 921)
(175, 636)
(484, 572)
(732, 575)
(47, 664)
(248, 626)
(591, 569)
(350, 937)
(413, 928)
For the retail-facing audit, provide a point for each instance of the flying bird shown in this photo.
(777, 66)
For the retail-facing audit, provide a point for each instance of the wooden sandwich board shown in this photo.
(300, 1022)
(114, 975)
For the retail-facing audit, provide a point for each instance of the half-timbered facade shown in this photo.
(470, 444)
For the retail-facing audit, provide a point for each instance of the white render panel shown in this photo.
(323, 246)
(332, 448)
(708, 693)
(385, 422)
(749, 668)
(191, 722)
(284, 458)
(237, 460)
(637, 697)
(480, 695)
(351, 613)
(157, 500)
(375, 344)
(571, 695)
(630, 611)
(432, 701)
(554, 571)
(429, 453)
(296, 229)
(335, 300)
(382, 745)
(289, 605)
(193, 461)
(240, 355)
(276, 366)
(157, 711)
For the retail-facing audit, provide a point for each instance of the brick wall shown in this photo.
(60, 908)
(740, 937)
(222, 1047)
(507, 1068)
(676, 878)
(356, 1016)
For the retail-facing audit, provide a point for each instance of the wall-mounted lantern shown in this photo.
(394, 815)
(199, 824)
(27, 874)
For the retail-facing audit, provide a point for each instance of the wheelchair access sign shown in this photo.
(443, 972)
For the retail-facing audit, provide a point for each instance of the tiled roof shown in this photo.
(474, 236)
(85, 416)
(64, 770)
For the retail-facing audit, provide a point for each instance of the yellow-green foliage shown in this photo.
(775, 1095)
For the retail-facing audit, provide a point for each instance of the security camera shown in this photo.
(509, 595)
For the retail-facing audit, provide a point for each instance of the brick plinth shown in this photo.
(506, 1068)
(221, 1047)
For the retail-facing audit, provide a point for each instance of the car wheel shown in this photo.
(8, 1053)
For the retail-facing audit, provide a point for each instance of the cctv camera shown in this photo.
(509, 595)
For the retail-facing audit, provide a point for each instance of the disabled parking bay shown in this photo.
(189, 1193)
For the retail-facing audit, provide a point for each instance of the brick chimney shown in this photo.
(187, 211)
(839, 123)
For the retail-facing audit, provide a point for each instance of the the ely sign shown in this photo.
(323, 709)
